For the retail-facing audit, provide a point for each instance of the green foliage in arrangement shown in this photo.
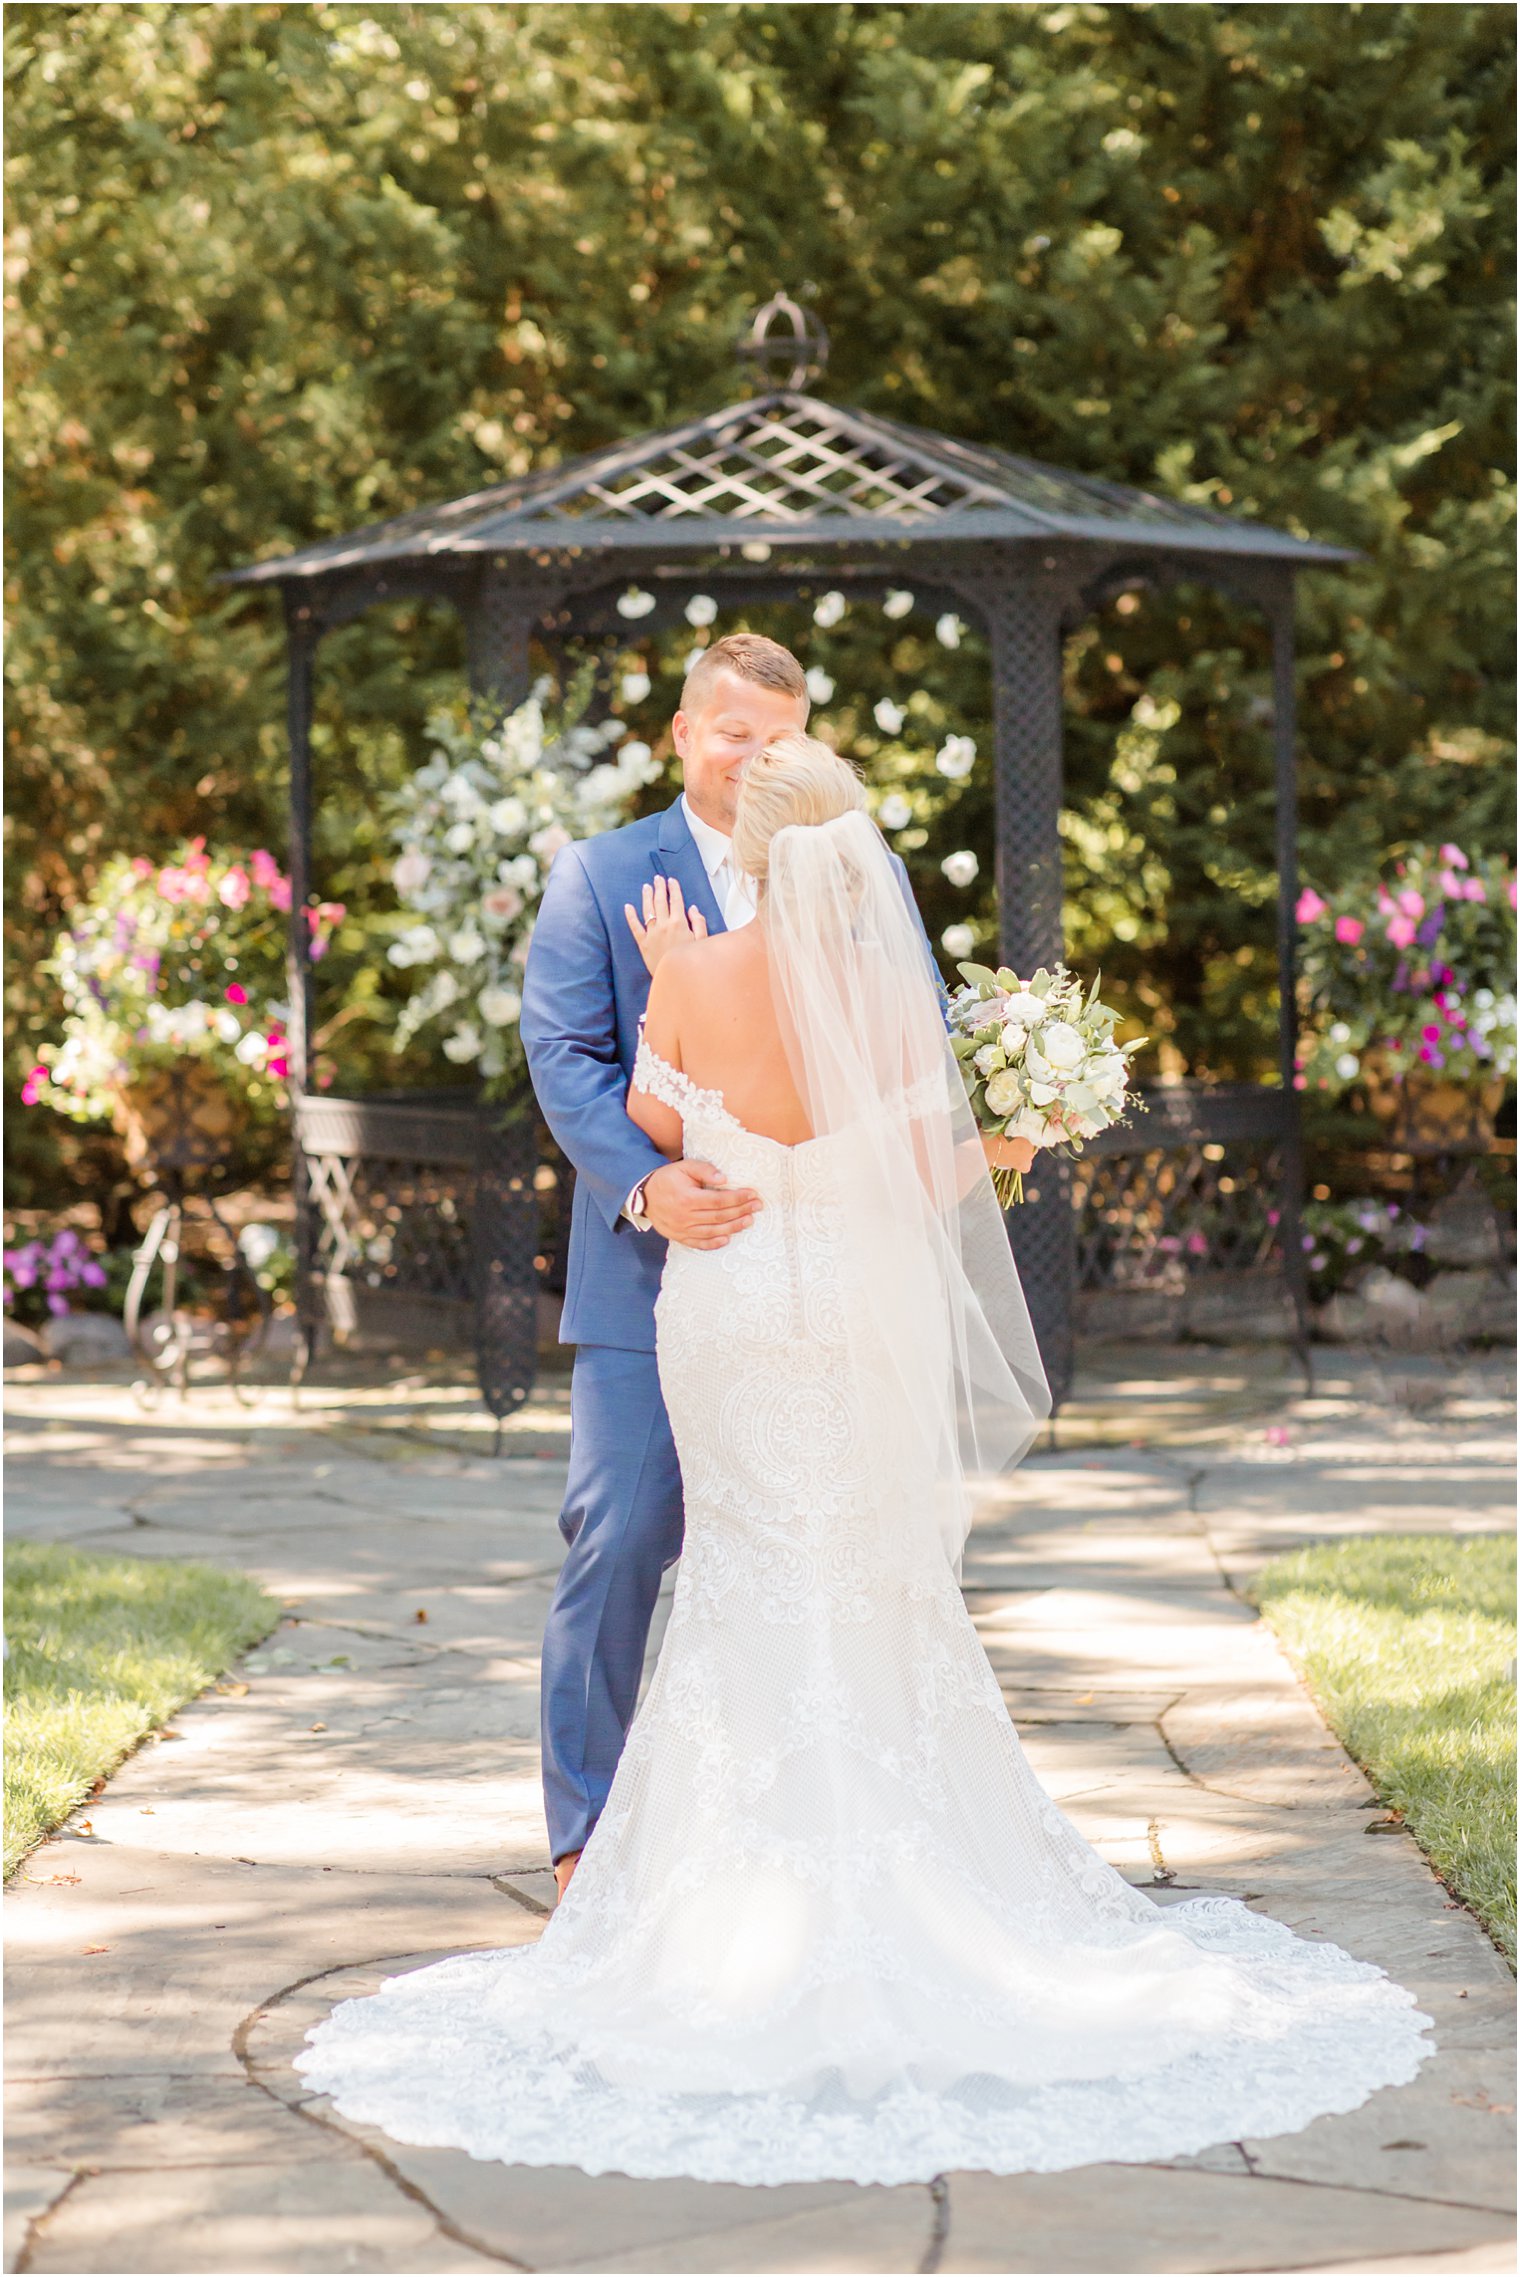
(279, 270)
(1408, 1643)
(102, 1651)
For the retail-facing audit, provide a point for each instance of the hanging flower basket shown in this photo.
(1423, 1114)
(180, 1116)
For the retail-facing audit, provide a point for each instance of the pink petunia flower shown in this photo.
(236, 993)
(1431, 1032)
(31, 1089)
(1349, 930)
(1455, 856)
(1401, 931)
(234, 889)
(1309, 906)
(1412, 903)
(1473, 889)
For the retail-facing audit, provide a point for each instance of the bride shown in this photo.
(829, 1926)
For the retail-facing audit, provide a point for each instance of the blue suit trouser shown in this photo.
(623, 1522)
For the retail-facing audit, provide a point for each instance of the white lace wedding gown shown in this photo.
(829, 1925)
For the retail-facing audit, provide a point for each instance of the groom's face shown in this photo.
(717, 742)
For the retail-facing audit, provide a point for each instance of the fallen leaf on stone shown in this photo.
(84, 1827)
(319, 1727)
(56, 1881)
(1392, 1824)
(97, 1948)
(145, 1810)
(169, 1732)
(233, 1691)
(419, 1615)
(1086, 1699)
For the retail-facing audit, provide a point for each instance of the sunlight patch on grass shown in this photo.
(102, 1651)
(1408, 1642)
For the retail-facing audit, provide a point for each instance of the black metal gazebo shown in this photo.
(773, 498)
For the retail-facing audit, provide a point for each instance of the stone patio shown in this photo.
(371, 1801)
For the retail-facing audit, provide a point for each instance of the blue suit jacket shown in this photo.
(584, 989)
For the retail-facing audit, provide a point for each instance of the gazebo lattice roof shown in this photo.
(797, 469)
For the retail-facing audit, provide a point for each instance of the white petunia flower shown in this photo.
(1347, 1066)
(634, 603)
(635, 687)
(508, 816)
(956, 757)
(464, 1044)
(819, 686)
(412, 871)
(701, 609)
(897, 603)
(459, 837)
(948, 630)
(829, 610)
(960, 868)
(888, 716)
(466, 945)
(894, 812)
(227, 1025)
(957, 941)
(253, 1050)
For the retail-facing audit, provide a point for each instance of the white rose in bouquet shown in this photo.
(1004, 1093)
(1064, 1047)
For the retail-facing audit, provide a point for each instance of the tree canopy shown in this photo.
(275, 270)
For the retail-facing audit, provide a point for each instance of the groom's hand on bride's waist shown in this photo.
(692, 1203)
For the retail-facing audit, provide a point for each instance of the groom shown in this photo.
(584, 989)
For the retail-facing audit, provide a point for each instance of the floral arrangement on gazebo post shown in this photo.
(478, 826)
(172, 977)
(1408, 991)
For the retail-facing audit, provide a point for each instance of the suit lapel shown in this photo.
(675, 855)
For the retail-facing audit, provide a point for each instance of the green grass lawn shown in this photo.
(1407, 1642)
(103, 1650)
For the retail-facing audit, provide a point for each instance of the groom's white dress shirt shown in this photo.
(735, 895)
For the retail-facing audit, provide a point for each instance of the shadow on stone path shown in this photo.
(372, 1802)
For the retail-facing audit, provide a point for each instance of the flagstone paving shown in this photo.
(371, 1802)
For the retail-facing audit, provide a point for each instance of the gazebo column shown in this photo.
(1023, 613)
(303, 629)
(499, 624)
(1280, 615)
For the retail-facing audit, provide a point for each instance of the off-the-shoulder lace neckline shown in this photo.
(707, 1102)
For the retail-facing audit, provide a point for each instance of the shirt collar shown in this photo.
(711, 844)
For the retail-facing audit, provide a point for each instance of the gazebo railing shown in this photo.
(422, 1230)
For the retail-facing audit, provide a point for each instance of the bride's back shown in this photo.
(716, 1007)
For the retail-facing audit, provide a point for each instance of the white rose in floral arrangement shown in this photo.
(1015, 1036)
(1005, 1093)
(989, 1059)
(499, 1007)
(1026, 1008)
(477, 830)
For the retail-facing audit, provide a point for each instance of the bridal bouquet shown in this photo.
(1039, 1060)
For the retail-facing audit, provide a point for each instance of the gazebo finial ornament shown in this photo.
(784, 359)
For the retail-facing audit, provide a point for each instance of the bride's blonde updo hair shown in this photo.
(792, 778)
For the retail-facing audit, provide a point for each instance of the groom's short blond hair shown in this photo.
(752, 657)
